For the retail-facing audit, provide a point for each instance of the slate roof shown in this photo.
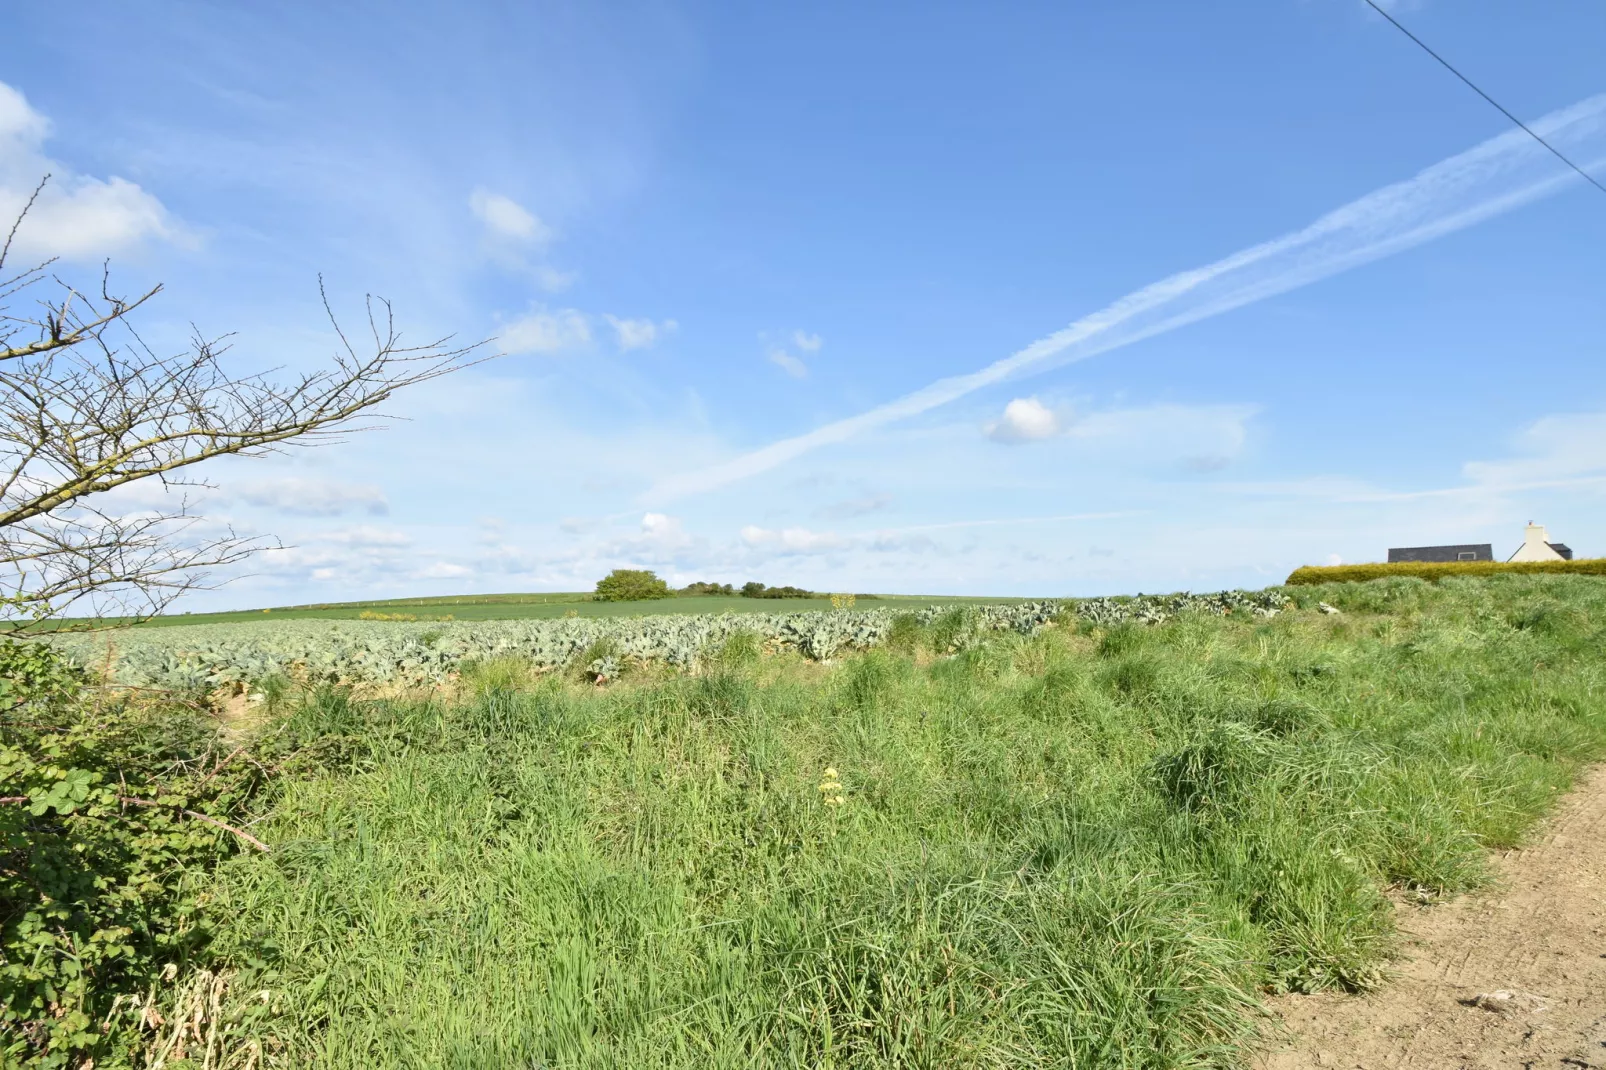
(1480, 551)
(1561, 548)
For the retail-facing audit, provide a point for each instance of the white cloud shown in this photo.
(18, 121)
(350, 556)
(76, 216)
(792, 540)
(368, 537)
(298, 496)
(545, 332)
(1025, 420)
(639, 334)
(1565, 444)
(663, 530)
(892, 543)
(808, 343)
(551, 279)
(789, 364)
(507, 218)
(443, 570)
(1494, 177)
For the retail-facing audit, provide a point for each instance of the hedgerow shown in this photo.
(107, 810)
(1437, 570)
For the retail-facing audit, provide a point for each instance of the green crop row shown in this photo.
(406, 653)
(1438, 570)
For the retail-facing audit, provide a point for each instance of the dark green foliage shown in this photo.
(1217, 769)
(32, 672)
(754, 589)
(631, 585)
(952, 631)
(101, 827)
(907, 635)
(741, 650)
(701, 589)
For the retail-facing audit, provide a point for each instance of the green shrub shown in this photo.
(739, 650)
(110, 810)
(754, 589)
(701, 589)
(1438, 570)
(906, 634)
(631, 585)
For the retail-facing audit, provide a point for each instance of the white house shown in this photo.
(1536, 546)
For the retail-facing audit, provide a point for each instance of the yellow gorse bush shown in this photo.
(1438, 570)
(842, 601)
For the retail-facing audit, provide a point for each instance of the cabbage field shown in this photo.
(983, 843)
(204, 658)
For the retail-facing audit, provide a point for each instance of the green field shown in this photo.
(540, 606)
(1089, 847)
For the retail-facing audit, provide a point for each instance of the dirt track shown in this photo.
(1513, 977)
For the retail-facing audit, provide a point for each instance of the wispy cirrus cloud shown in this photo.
(301, 496)
(780, 355)
(792, 540)
(507, 219)
(1502, 173)
(849, 508)
(517, 238)
(788, 364)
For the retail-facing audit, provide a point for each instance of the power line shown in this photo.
(1447, 66)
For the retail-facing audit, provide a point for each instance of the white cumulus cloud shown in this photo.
(1024, 420)
(639, 333)
(76, 216)
(545, 331)
(808, 343)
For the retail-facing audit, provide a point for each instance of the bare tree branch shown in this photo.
(86, 406)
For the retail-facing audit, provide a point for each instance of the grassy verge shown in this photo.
(1083, 848)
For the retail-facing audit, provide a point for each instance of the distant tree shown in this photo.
(631, 585)
(753, 589)
(703, 588)
(87, 407)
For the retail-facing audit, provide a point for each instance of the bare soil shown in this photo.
(1514, 976)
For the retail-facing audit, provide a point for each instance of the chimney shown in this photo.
(1535, 535)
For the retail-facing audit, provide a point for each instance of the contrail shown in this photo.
(1496, 176)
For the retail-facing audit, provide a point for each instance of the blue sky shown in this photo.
(728, 251)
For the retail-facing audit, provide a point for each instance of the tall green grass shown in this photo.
(1066, 850)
